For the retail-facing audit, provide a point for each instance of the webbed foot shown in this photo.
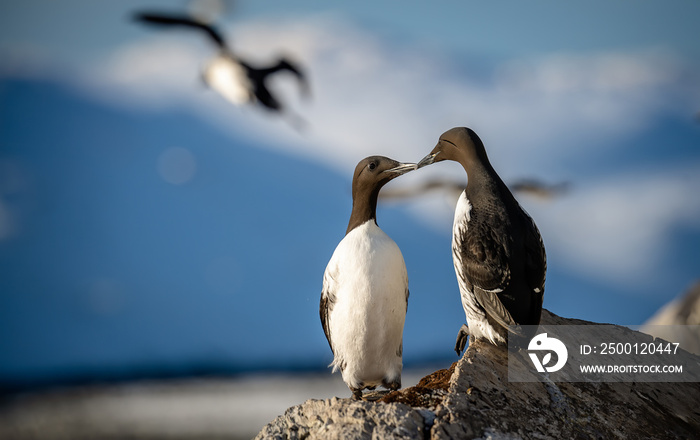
(356, 393)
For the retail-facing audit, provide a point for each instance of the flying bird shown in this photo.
(531, 187)
(540, 190)
(448, 186)
(497, 250)
(235, 79)
(365, 289)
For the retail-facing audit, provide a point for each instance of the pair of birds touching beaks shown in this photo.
(498, 255)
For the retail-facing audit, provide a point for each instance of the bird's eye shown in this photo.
(372, 165)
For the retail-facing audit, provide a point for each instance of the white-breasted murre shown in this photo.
(497, 250)
(365, 288)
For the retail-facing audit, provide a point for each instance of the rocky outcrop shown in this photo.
(344, 418)
(474, 399)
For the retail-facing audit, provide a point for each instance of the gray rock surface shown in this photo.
(344, 418)
(474, 400)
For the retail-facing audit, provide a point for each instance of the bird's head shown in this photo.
(460, 144)
(374, 172)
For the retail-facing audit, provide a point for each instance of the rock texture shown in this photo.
(343, 418)
(473, 399)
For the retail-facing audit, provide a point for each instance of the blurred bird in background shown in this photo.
(532, 187)
(232, 77)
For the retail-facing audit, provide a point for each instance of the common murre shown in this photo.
(497, 250)
(365, 288)
(235, 79)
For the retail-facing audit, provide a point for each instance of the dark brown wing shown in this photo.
(285, 64)
(493, 306)
(535, 268)
(259, 76)
(324, 311)
(326, 305)
(483, 254)
(177, 20)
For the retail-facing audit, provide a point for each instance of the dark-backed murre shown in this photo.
(235, 79)
(365, 288)
(497, 250)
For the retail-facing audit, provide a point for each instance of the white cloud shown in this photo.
(371, 97)
(620, 228)
(607, 73)
(160, 74)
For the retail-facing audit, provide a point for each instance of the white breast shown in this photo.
(462, 215)
(228, 78)
(369, 281)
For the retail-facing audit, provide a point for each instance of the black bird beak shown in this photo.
(402, 168)
(427, 160)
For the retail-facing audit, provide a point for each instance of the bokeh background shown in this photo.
(149, 228)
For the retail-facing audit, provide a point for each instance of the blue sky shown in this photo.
(122, 241)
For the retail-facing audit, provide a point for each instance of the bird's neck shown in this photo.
(364, 208)
(481, 178)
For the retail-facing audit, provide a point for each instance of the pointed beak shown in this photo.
(402, 168)
(427, 160)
